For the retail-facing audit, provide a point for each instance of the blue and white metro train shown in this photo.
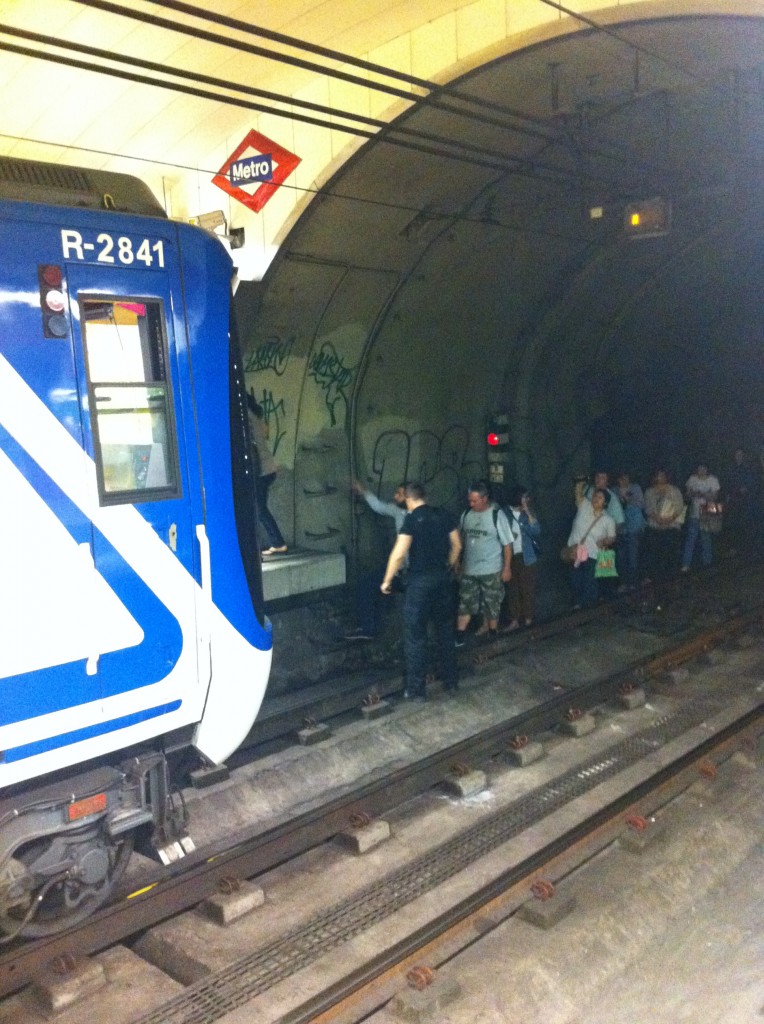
(130, 592)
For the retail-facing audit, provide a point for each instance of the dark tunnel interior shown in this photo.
(425, 289)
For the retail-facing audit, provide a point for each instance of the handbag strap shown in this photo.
(591, 524)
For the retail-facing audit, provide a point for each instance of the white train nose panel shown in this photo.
(54, 604)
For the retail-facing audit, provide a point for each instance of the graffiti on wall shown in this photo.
(328, 370)
(272, 354)
(437, 461)
(274, 415)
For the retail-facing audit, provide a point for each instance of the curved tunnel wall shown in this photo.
(395, 320)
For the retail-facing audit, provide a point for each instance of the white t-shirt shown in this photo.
(700, 489)
(600, 528)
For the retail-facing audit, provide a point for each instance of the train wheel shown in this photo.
(68, 876)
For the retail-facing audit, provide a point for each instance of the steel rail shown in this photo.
(165, 893)
(270, 726)
(507, 891)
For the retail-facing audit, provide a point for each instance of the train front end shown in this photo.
(130, 592)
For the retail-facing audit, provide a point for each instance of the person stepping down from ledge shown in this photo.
(265, 474)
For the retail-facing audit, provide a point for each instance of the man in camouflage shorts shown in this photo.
(486, 561)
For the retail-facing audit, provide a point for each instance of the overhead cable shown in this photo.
(530, 125)
(453, 217)
(606, 30)
(432, 90)
(413, 139)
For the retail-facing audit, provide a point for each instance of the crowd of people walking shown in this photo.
(451, 571)
(622, 537)
(480, 569)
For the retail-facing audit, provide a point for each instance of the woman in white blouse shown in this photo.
(594, 529)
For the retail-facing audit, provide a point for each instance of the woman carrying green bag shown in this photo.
(593, 529)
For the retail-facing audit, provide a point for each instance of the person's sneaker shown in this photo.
(358, 634)
(461, 638)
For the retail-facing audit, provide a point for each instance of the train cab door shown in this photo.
(143, 539)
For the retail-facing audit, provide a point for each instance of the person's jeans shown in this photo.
(706, 544)
(368, 597)
(585, 588)
(268, 523)
(428, 596)
(628, 557)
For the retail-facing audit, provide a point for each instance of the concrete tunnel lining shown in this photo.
(416, 294)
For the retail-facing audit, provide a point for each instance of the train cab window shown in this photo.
(130, 399)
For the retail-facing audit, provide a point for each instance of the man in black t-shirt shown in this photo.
(431, 541)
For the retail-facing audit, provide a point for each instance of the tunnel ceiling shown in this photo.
(455, 265)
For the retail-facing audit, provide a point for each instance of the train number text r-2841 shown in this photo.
(108, 249)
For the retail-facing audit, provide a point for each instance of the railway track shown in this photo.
(637, 775)
(248, 857)
(413, 962)
(281, 716)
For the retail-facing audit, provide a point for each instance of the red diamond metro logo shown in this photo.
(271, 164)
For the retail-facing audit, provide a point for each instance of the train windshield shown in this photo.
(129, 388)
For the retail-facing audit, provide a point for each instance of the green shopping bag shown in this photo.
(605, 564)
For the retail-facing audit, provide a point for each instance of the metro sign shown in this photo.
(252, 168)
(265, 163)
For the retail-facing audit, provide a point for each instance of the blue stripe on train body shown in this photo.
(111, 488)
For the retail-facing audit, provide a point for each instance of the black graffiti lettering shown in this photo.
(333, 377)
(437, 461)
(272, 354)
(273, 413)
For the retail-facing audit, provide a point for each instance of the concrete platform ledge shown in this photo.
(301, 572)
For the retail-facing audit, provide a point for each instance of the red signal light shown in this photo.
(55, 323)
(52, 276)
(493, 440)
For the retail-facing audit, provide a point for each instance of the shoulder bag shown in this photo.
(575, 554)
